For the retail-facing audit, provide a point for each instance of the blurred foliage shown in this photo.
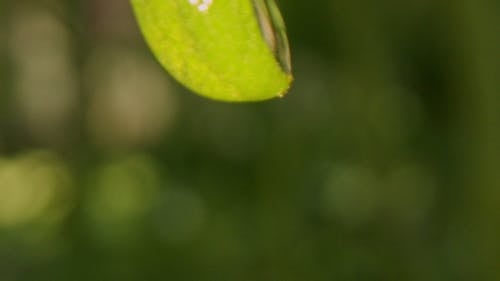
(380, 164)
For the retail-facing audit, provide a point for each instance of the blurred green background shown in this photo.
(382, 163)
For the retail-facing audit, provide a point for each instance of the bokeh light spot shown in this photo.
(34, 188)
(351, 194)
(131, 102)
(45, 81)
(119, 197)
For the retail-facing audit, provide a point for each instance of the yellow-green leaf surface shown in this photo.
(229, 50)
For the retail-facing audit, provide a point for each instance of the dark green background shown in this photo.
(382, 163)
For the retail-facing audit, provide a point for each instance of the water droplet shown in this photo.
(201, 5)
(273, 29)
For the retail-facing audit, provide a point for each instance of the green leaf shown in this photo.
(229, 50)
